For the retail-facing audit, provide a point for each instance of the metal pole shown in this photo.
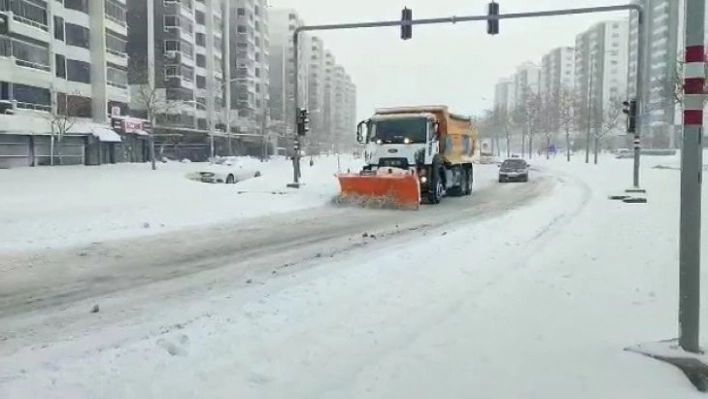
(452, 20)
(296, 139)
(641, 65)
(691, 176)
(468, 18)
(590, 110)
(227, 74)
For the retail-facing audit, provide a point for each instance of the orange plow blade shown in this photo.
(383, 190)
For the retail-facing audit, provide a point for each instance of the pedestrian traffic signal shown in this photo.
(303, 122)
(406, 28)
(493, 24)
(629, 107)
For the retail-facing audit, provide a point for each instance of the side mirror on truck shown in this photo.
(360, 131)
(436, 129)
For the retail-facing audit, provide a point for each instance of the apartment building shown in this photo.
(250, 71)
(504, 95)
(176, 50)
(65, 58)
(324, 88)
(663, 41)
(282, 69)
(331, 108)
(314, 49)
(348, 140)
(601, 69)
(340, 130)
(527, 83)
(557, 72)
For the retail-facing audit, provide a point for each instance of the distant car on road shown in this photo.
(514, 169)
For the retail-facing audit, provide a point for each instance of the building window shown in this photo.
(187, 49)
(30, 55)
(31, 95)
(199, 17)
(28, 12)
(78, 71)
(59, 28)
(187, 73)
(77, 5)
(77, 35)
(171, 45)
(115, 12)
(201, 60)
(200, 39)
(116, 44)
(117, 77)
(60, 66)
(171, 21)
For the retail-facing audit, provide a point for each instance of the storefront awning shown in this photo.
(106, 135)
(141, 133)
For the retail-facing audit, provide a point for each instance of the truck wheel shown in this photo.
(436, 191)
(437, 187)
(469, 174)
(459, 190)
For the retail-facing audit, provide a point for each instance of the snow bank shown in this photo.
(51, 207)
(538, 303)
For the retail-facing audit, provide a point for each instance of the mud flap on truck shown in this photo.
(383, 188)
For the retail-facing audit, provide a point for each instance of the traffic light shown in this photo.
(629, 107)
(493, 24)
(406, 29)
(4, 24)
(303, 122)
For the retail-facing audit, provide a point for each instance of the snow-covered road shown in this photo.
(521, 290)
(196, 259)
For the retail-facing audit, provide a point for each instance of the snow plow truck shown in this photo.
(412, 154)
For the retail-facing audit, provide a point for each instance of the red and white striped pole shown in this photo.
(691, 177)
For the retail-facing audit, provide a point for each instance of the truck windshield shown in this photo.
(396, 131)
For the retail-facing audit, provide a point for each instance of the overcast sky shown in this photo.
(456, 65)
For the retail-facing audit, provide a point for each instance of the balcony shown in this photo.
(27, 13)
(24, 54)
(115, 16)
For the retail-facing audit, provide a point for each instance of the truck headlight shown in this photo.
(423, 179)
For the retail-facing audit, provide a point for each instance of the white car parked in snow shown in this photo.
(228, 170)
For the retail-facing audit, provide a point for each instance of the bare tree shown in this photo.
(566, 104)
(527, 115)
(65, 112)
(503, 121)
(149, 97)
(605, 122)
(548, 120)
(532, 111)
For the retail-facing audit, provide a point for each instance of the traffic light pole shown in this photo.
(691, 177)
(474, 18)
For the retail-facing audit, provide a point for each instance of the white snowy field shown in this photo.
(65, 206)
(537, 303)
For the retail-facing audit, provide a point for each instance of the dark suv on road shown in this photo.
(514, 169)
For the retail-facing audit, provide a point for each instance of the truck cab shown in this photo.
(404, 141)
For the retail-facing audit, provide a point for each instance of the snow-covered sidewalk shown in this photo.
(52, 207)
(538, 303)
